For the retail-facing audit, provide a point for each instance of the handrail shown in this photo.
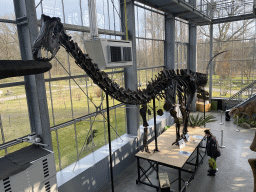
(243, 90)
(238, 96)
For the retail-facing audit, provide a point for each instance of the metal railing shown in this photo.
(229, 8)
(205, 7)
(225, 8)
(242, 96)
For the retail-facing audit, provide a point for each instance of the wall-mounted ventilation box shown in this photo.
(110, 53)
(30, 169)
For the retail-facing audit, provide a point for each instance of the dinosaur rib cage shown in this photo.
(154, 89)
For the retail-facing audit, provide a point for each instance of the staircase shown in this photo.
(242, 97)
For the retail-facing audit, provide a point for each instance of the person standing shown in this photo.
(213, 150)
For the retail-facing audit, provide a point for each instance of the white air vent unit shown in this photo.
(31, 169)
(109, 53)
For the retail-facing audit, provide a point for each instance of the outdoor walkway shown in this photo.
(234, 170)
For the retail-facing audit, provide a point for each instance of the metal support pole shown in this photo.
(138, 167)
(204, 108)
(130, 73)
(109, 143)
(197, 156)
(2, 133)
(191, 65)
(191, 56)
(34, 84)
(154, 108)
(221, 118)
(93, 19)
(222, 146)
(169, 42)
(210, 67)
(237, 130)
(179, 179)
(157, 170)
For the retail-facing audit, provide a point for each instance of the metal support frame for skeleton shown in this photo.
(143, 113)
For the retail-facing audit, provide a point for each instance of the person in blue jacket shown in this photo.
(213, 150)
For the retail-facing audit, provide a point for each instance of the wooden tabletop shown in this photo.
(170, 154)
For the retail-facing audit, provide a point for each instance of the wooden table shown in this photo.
(169, 155)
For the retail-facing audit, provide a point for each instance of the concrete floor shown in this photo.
(234, 173)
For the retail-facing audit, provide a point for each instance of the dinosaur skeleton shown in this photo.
(52, 35)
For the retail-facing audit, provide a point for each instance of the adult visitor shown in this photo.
(213, 150)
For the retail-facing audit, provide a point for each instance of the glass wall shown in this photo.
(181, 44)
(72, 96)
(76, 105)
(13, 103)
(149, 25)
(150, 36)
(234, 69)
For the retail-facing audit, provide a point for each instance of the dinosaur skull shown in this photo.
(48, 38)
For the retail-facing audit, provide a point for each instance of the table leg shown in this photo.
(197, 156)
(138, 167)
(179, 179)
(157, 170)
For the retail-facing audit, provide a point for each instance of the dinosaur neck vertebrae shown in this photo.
(155, 88)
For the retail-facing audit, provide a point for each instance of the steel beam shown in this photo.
(87, 29)
(230, 19)
(192, 47)
(7, 21)
(130, 73)
(153, 10)
(234, 18)
(34, 84)
(169, 44)
(182, 4)
(210, 67)
(192, 51)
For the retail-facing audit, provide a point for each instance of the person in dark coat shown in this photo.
(212, 149)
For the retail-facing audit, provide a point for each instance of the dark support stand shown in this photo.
(179, 179)
(204, 108)
(197, 156)
(109, 142)
(154, 108)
